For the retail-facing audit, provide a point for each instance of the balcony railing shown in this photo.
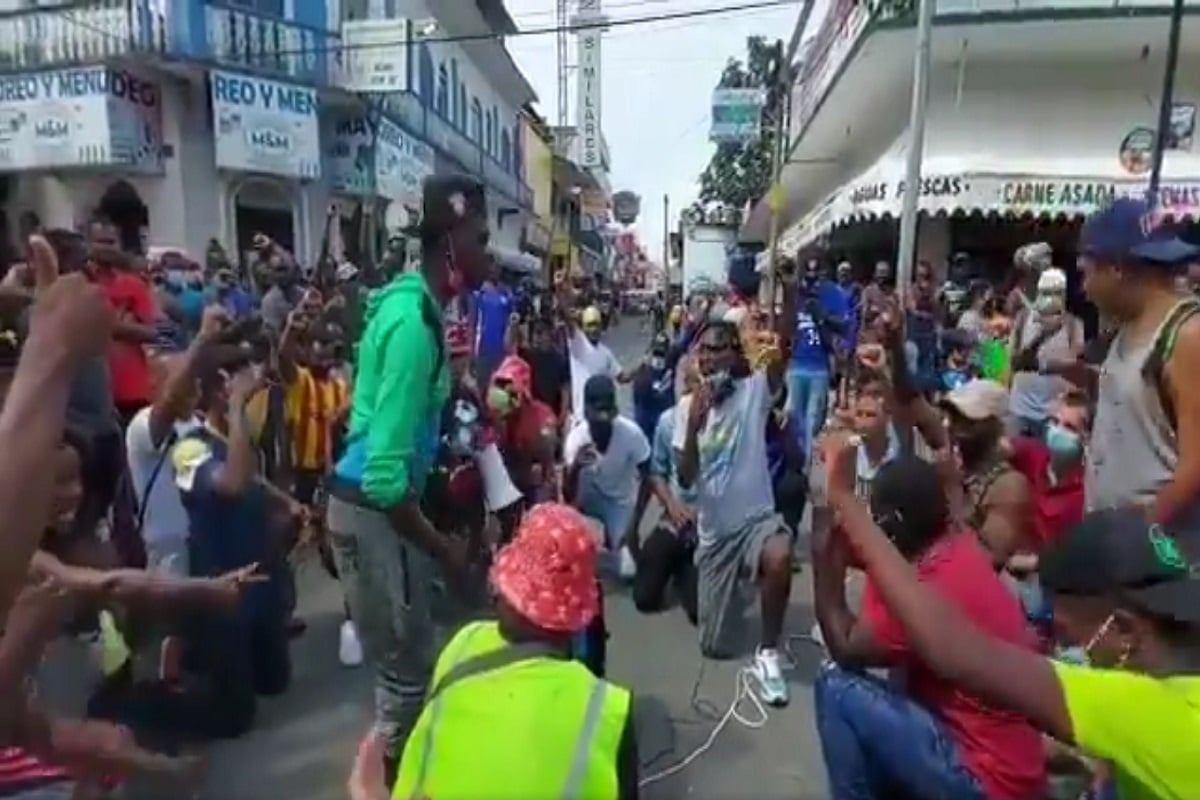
(848, 20)
(442, 134)
(79, 33)
(270, 45)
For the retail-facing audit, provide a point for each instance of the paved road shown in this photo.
(304, 742)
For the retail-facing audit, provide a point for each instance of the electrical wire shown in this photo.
(492, 36)
(742, 691)
(606, 8)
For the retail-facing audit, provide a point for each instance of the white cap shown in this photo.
(1052, 280)
(978, 399)
(346, 271)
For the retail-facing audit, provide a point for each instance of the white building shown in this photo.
(1038, 114)
(186, 120)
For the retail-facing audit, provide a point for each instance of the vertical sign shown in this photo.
(588, 112)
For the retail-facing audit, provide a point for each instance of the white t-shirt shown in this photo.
(615, 472)
(734, 485)
(165, 518)
(587, 359)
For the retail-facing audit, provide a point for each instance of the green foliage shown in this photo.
(741, 173)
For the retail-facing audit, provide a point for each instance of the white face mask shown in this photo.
(1049, 304)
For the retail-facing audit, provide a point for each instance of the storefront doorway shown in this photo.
(263, 206)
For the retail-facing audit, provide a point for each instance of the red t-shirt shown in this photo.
(518, 437)
(1001, 749)
(130, 297)
(1057, 506)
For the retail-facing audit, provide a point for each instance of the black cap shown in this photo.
(1116, 551)
(446, 200)
(600, 394)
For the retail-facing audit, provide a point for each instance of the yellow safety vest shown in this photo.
(537, 729)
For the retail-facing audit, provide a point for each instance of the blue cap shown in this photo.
(1130, 227)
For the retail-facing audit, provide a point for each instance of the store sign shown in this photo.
(737, 115)
(376, 55)
(885, 191)
(266, 126)
(626, 207)
(350, 158)
(588, 72)
(86, 117)
(834, 42)
(1049, 196)
(402, 163)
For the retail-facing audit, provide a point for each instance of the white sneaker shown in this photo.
(627, 566)
(350, 651)
(772, 688)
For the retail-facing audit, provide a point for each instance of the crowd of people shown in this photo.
(1015, 500)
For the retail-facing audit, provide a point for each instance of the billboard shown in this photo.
(626, 207)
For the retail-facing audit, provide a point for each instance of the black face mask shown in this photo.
(602, 431)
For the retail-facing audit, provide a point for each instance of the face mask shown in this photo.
(1048, 304)
(499, 400)
(657, 363)
(1063, 444)
(720, 384)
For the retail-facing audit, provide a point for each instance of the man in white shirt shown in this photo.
(608, 462)
(589, 356)
(720, 440)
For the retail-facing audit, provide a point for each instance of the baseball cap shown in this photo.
(600, 394)
(1130, 227)
(591, 316)
(1117, 551)
(1035, 256)
(978, 399)
(1052, 280)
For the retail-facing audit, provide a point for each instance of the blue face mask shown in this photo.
(1064, 444)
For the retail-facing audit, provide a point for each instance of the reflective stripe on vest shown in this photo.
(596, 725)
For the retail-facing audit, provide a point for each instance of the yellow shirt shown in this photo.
(1148, 728)
(312, 407)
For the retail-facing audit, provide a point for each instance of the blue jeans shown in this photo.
(613, 514)
(880, 745)
(807, 402)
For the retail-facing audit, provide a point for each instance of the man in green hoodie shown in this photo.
(387, 551)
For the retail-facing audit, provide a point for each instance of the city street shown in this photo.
(304, 742)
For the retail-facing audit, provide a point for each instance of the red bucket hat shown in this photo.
(548, 572)
(516, 371)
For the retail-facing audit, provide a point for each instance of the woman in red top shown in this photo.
(923, 736)
(526, 430)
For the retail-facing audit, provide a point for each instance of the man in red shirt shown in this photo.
(1053, 465)
(130, 296)
(525, 430)
(921, 737)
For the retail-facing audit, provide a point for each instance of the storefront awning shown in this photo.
(1009, 186)
(515, 261)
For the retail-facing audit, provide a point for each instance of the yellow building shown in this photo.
(539, 176)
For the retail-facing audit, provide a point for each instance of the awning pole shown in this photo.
(1167, 100)
(916, 148)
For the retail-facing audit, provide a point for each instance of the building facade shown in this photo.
(1037, 117)
(189, 120)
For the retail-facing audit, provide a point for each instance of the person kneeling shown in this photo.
(924, 738)
(516, 675)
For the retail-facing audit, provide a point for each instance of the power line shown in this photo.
(607, 7)
(491, 36)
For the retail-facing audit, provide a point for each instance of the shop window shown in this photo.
(355, 9)
(518, 156)
(476, 121)
(505, 150)
(443, 90)
(489, 133)
(461, 116)
(425, 74)
(454, 87)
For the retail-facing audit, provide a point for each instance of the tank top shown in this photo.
(1133, 449)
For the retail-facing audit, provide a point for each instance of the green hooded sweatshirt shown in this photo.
(401, 384)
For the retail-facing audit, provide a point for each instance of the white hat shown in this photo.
(1052, 280)
(346, 271)
(978, 399)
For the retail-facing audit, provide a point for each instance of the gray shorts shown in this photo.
(726, 569)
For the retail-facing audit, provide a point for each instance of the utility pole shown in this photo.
(561, 25)
(1166, 102)
(666, 234)
(781, 149)
(916, 148)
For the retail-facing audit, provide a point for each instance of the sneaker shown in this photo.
(627, 565)
(772, 688)
(350, 651)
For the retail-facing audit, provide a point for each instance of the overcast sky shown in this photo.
(657, 83)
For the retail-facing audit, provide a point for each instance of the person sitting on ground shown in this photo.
(926, 739)
(515, 674)
(1126, 593)
(526, 430)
